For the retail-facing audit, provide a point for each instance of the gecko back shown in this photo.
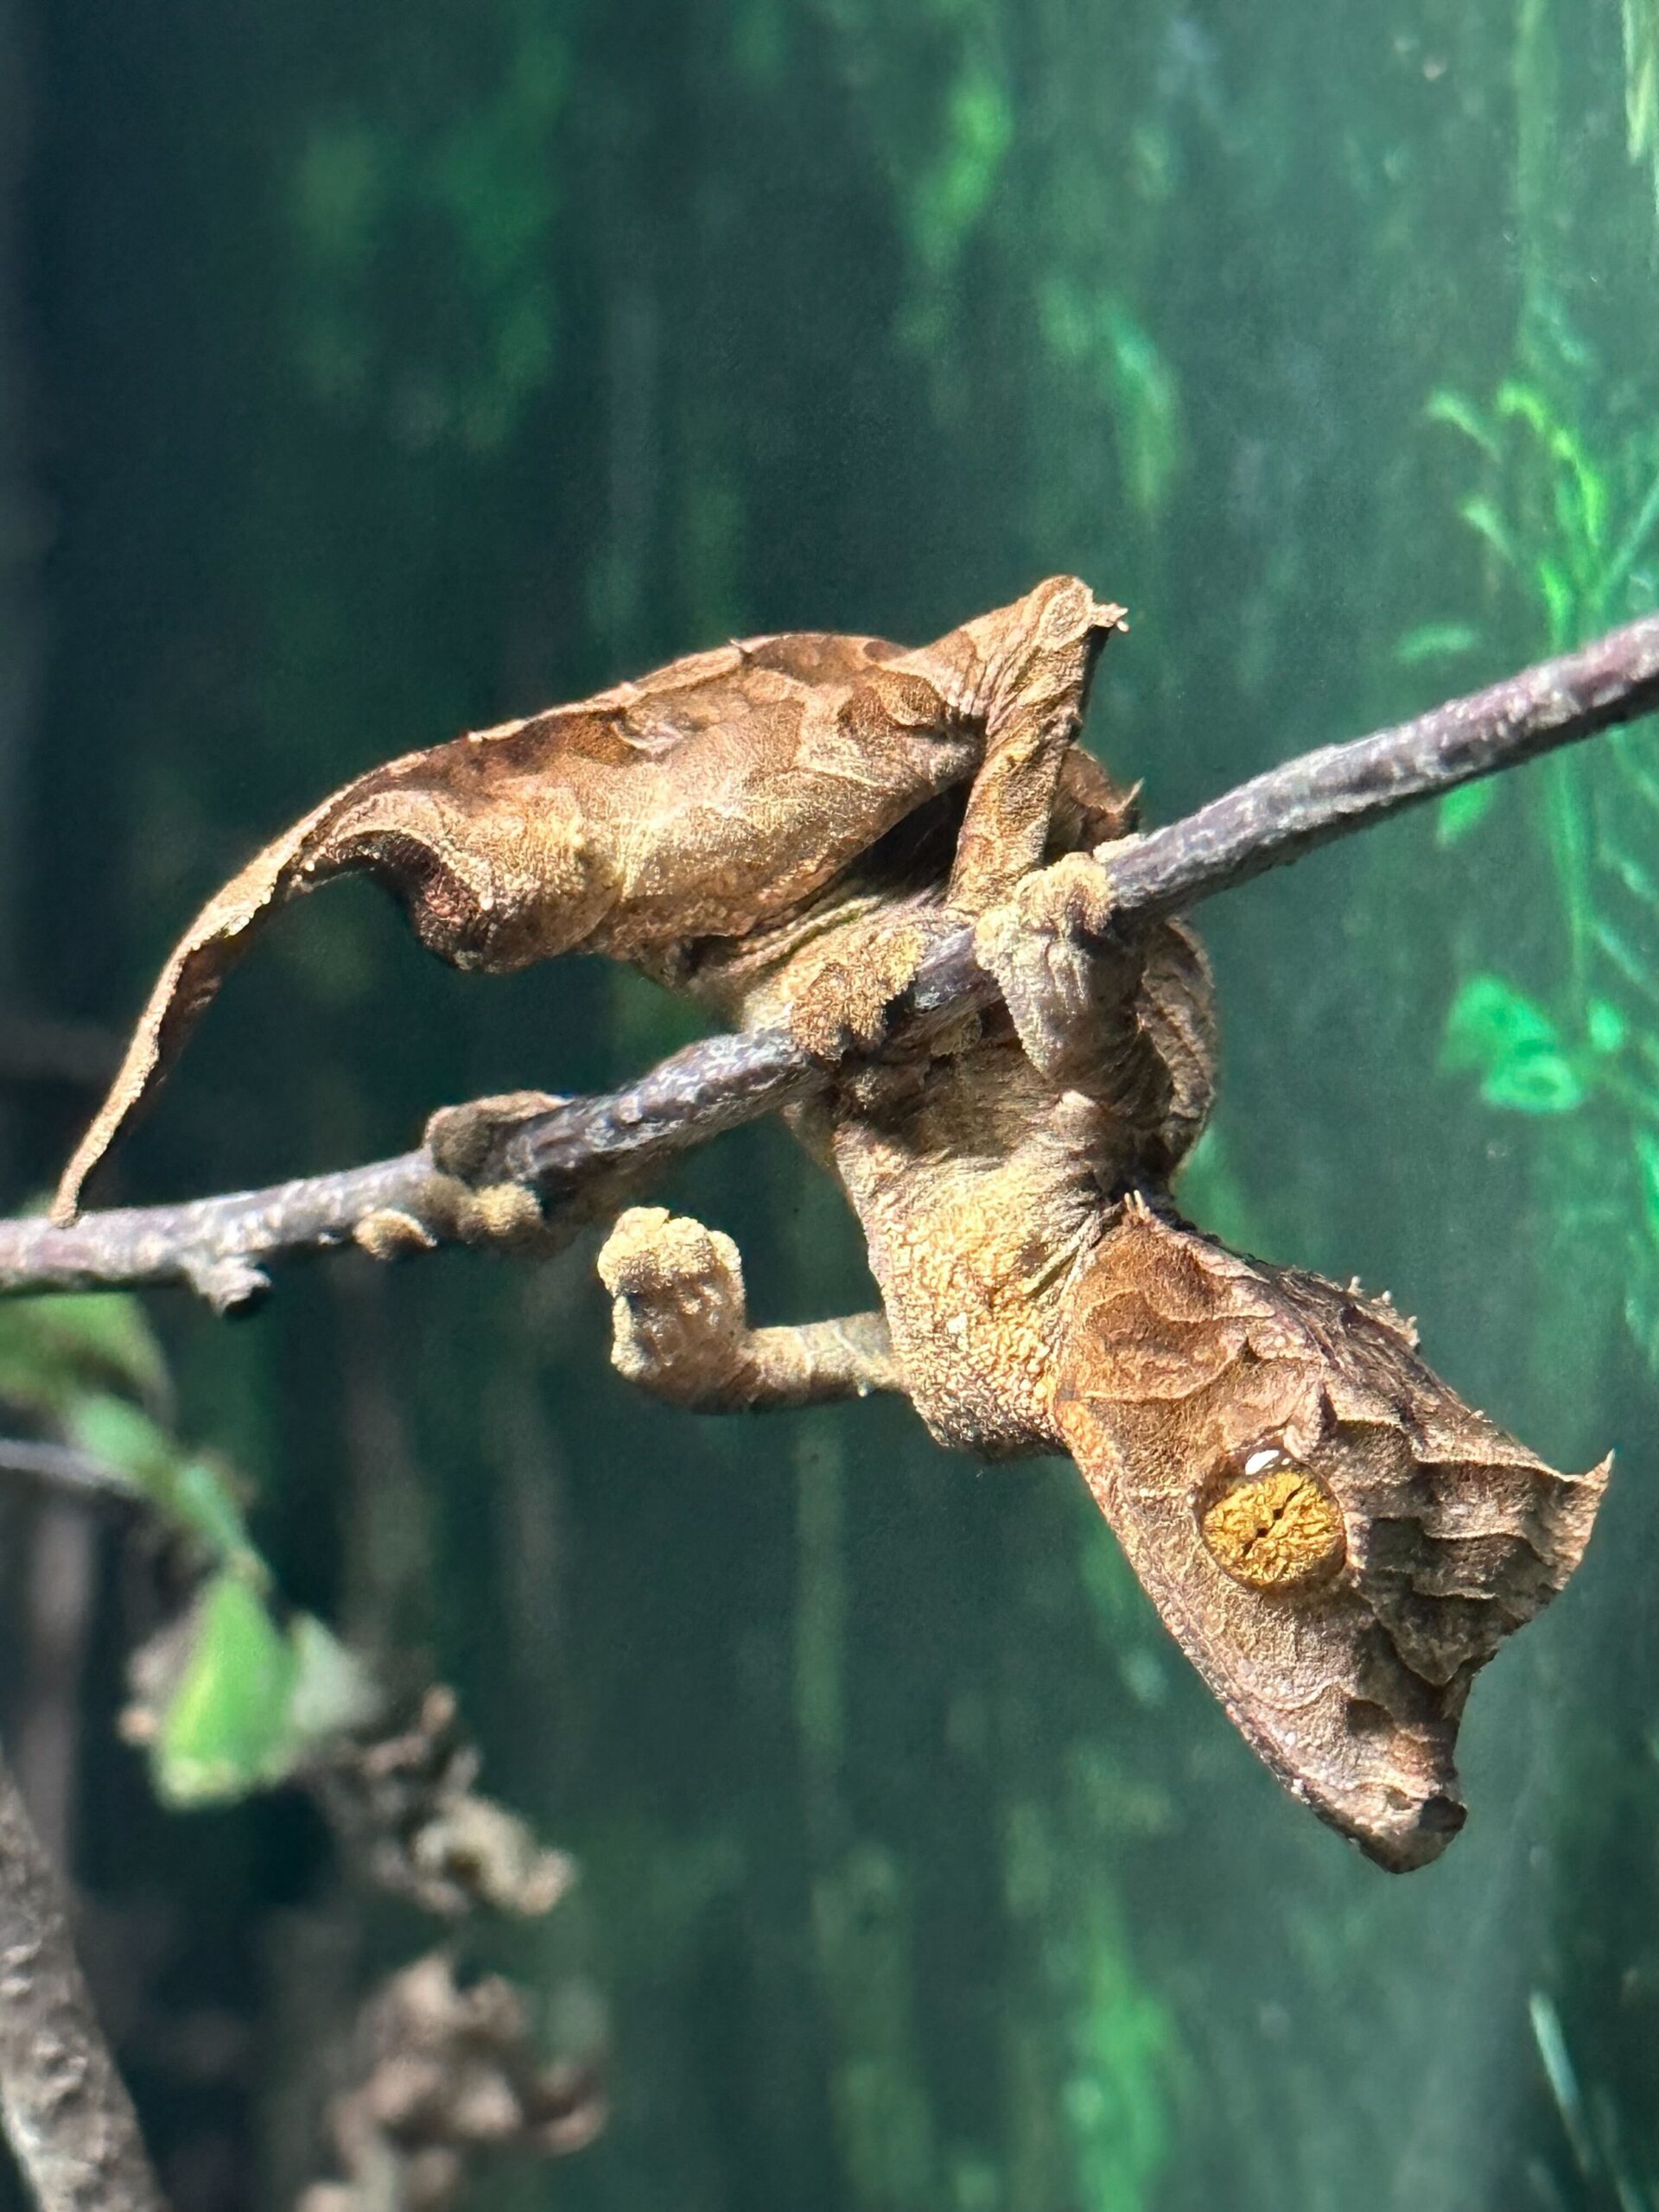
(698, 802)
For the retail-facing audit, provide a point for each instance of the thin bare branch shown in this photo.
(67, 2115)
(587, 1153)
(60, 1471)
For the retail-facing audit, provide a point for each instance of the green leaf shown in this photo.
(1490, 1022)
(1560, 604)
(125, 1437)
(1581, 494)
(194, 1493)
(1482, 517)
(1606, 1028)
(109, 1332)
(1461, 414)
(241, 1703)
(52, 1349)
(202, 1499)
(1465, 809)
(1146, 409)
(1521, 400)
(1436, 641)
(1535, 1083)
(1647, 1165)
(1498, 1033)
(225, 1728)
(333, 1692)
(959, 184)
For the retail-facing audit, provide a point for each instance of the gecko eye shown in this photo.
(1272, 1524)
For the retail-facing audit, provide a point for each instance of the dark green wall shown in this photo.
(401, 367)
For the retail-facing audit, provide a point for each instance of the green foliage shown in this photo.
(1102, 2044)
(948, 199)
(1523, 1062)
(1436, 641)
(246, 1702)
(450, 204)
(1463, 810)
(1096, 331)
(1117, 2102)
(987, 205)
(1641, 21)
(231, 1697)
(53, 1352)
(220, 1731)
(1545, 512)
(1568, 526)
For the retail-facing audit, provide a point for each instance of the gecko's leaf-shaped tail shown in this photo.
(1336, 1541)
(188, 985)
(491, 868)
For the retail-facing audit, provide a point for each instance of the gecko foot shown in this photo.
(468, 1141)
(679, 1313)
(468, 1197)
(1056, 984)
(844, 1000)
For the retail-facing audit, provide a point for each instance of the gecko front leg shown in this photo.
(470, 1199)
(1022, 674)
(680, 1322)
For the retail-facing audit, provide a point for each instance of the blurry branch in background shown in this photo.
(440, 2074)
(67, 2115)
(403, 1801)
(237, 1693)
(583, 1157)
(445, 2072)
(60, 1470)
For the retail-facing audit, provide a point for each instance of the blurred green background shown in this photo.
(370, 373)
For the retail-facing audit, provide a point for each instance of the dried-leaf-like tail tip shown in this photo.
(1572, 1504)
(1418, 1838)
(188, 984)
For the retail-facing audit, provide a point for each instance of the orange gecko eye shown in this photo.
(1273, 1524)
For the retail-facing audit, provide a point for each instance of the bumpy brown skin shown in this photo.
(777, 828)
(1336, 1539)
(715, 797)
(979, 1178)
(1337, 1542)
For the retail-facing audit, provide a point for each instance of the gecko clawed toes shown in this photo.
(470, 1142)
(1042, 946)
(846, 1001)
(679, 1313)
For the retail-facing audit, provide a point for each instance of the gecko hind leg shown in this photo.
(680, 1323)
(1038, 660)
(1128, 1026)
